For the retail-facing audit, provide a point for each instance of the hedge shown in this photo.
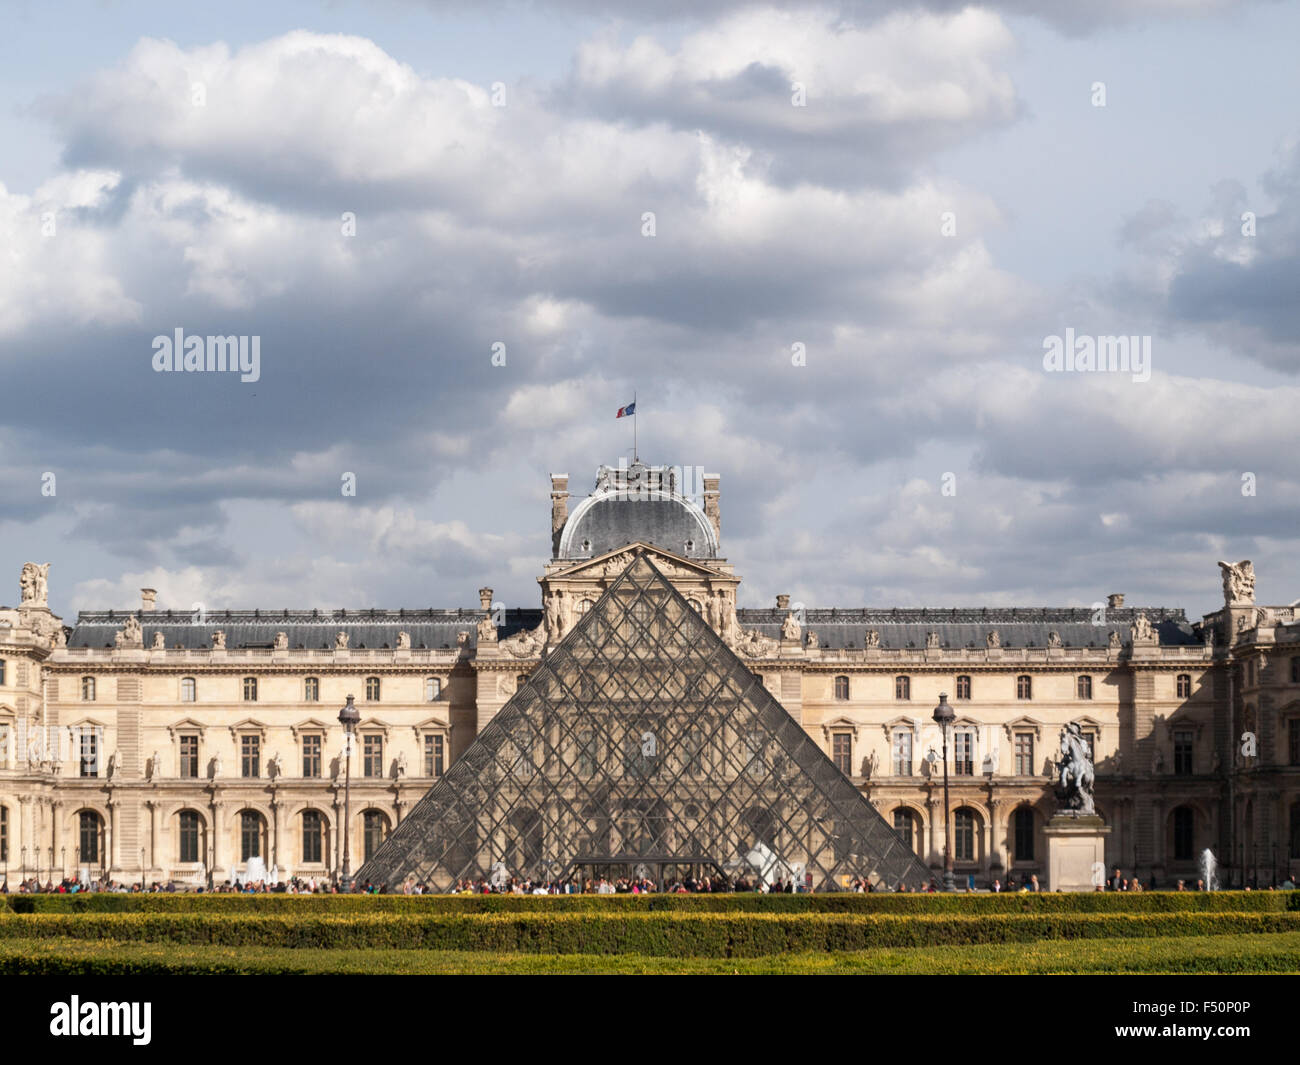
(658, 934)
(1203, 954)
(1095, 902)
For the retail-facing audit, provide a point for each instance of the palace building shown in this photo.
(152, 744)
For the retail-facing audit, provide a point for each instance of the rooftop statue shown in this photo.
(1074, 774)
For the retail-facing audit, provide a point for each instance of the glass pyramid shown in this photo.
(643, 746)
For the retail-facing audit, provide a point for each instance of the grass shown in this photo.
(1249, 953)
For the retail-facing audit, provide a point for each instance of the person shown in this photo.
(997, 886)
(1200, 885)
(1287, 885)
(1181, 886)
(1033, 881)
(1135, 885)
(970, 883)
(1114, 881)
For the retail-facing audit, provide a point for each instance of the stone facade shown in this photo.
(154, 744)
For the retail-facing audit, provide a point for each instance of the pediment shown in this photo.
(612, 563)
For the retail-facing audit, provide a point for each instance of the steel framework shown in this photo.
(642, 742)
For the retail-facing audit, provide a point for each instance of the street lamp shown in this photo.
(944, 715)
(349, 716)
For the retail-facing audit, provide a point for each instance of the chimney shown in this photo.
(711, 508)
(559, 509)
(1115, 600)
(147, 597)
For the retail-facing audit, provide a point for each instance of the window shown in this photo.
(250, 756)
(1182, 752)
(693, 743)
(250, 835)
(372, 689)
(432, 689)
(1024, 687)
(2, 670)
(1024, 754)
(88, 836)
(311, 690)
(87, 689)
(1184, 834)
(189, 756)
(311, 751)
(963, 835)
(902, 687)
(89, 752)
(587, 752)
(372, 760)
(521, 680)
(433, 756)
(188, 689)
(1083, 687)
(963, 754)
(4, 814)
(1293, 741)
(842, 752)
(903, 753)
(586, 604)
(841, 687)
(1295, 671)
(188, 836)
(905, 826)
(1185, 685)
(1090, 741)
(313, 835)
(375, 830)
(1024, 834)
(1295, 830)
(756, 742)
(250, 689)
(963, 687)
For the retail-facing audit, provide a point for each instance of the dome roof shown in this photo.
(616, 515)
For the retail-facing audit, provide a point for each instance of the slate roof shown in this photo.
(310, 629)
(969, 627)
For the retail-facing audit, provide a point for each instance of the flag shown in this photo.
(623, 412)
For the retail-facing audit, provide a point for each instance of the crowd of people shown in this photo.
(74, 886)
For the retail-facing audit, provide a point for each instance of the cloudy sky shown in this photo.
(917, 195)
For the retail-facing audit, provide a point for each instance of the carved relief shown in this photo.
(872, 639)
(218, 641)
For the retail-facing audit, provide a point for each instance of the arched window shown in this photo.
(963, 834)
(189, 836)
(1083, 687)
(432, 689)
(905, 826)
(1185, 685)
(87, 689)
(1295, 671)
(1024, 687)
(189, 689)
(521, 680)
(372, 689)
(695, 605)
(902, 687)
(313, 835)
(2, 671)
(252, 831)
(250, 689)
(4, 833)
(586, 604)
(1023, 829)
(1184, 834)
(963, 687)
(1295, 830)
(89, 825)
(374, 831)
(311, 689)
(841, 687)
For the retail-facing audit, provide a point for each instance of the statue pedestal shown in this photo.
(1075, 847)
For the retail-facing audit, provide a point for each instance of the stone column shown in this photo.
(56, 836)
(997, 861)
(931, 805)
(153, 833)
(218, 838)
(111, 859)
(1158, 840)
(277, 809)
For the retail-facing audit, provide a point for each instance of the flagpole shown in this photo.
(635, 456)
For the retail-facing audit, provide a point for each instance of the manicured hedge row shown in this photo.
(1112, 902)
(660, 934)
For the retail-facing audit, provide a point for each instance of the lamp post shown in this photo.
(944, 715)
(349, 716)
